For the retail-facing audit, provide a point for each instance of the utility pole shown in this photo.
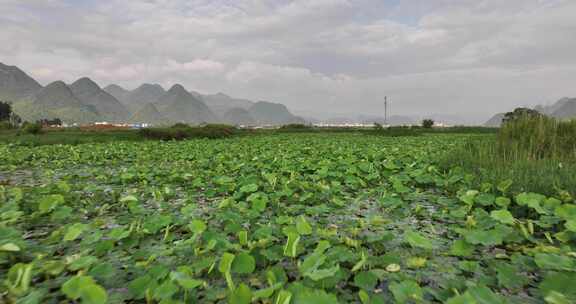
(386, 110)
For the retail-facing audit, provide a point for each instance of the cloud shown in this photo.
(325, 55)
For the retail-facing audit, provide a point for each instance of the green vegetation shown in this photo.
(182, 131)
(8, 120)
(278, 218)
(427, 123)
(395, 131)
(32, 128)
(295, 128)
(69, 136)
(535, 152)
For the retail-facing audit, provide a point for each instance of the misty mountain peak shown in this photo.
(114, 86)
(178, 89)
(85, 84)
(6, 67)
(57, 85)
(15, 84)
(150, 86)
(220, 94)
(57, 94)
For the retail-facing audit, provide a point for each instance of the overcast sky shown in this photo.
(473, 57)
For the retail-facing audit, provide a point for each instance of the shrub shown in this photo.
(180, 125)
(395, 131)
(427, 123)
(5, 110)
(295, 126)
(32, 128)
(521, 113)
(183, 131)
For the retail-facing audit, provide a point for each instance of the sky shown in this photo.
(472, 58)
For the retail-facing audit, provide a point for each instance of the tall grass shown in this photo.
(537, 153)
(538, 138)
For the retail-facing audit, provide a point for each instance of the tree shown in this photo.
(56, 122)
(5, 111)
(427, 123)
(521, 113)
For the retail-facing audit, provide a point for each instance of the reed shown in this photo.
(537, 153)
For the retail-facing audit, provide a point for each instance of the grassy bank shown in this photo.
(181, 132)
(536, 154)
(67, 137)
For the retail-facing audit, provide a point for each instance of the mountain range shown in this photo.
(565, 108)
(84, 101)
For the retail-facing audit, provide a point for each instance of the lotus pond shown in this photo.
(289, 218)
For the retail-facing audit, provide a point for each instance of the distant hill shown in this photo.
(550, 109)
(179, 105)
(56, 100)
(56, 94)
(146, 93)
(221, 103)
(84, 101)
(90, 94)
(566, 110)
(117, 91)
(268, 113)
(15, 84)
(495, 121)
(239, 116)
(148, 114)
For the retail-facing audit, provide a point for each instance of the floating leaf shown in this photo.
(19, 278)
(226, 262)
(250, 188)
(484, 237)
(259, 201)
(197, 226)
(484, 295)
(320, 274)
(560, 282)
(503, 216)
(283, 297)
(302, 226)
(532, 200)
(416, 239)
(461, 248)
(415, 262)
(10, 247)
(406, 291)
(509, 277)
(243, 263)
(366, 280)
(291, 247)
(84, 287)
(485, 199)
(74, 231)
(49, 202)
(241, 295)
(554, 262)
(504, 185)
(315, 297)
